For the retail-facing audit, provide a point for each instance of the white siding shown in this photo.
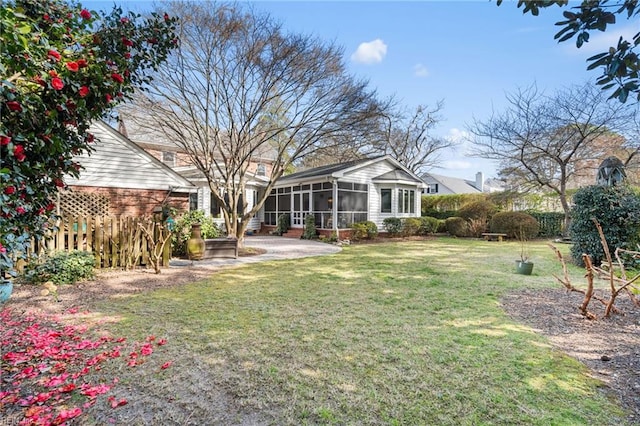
(365, 175)
(118, 163)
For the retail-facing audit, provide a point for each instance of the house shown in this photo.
(120, 178)
(174, 156)
(444, 185)
(341, 194)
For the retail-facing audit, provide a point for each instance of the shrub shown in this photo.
(618, 211)
(61, 268)
(551, 224)
(182, 230)
(310, 232)
(428, 225)
(411, 226)
(457, 226)
(478, 210)
(366, 230)
(284, 223)
(393, 225)
(515, 225)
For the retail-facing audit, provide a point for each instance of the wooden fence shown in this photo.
(115, 241)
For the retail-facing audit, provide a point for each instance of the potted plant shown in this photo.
(523, 265)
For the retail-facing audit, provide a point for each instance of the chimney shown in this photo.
(480, 181)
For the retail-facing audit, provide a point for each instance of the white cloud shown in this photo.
(457, 135)
(371, 52)
(420, 70)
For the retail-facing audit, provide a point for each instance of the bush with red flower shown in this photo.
(61, 67)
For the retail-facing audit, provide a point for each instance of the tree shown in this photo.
(239, 87)
(61, 68)
(619, 64)
(545, 141)
(407, 137)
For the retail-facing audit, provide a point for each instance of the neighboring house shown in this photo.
(341, 194)
(444, 185)
(120, 178)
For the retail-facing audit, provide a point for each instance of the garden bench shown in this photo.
(220, 247)
(490, 236)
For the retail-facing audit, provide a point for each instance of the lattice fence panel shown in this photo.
(83, 204)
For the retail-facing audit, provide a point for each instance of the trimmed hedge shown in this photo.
(515, 225)
(551, 224)
(457, 226)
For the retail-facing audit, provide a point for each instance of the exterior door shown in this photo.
(301, 208)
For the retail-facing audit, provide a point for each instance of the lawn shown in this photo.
(402, 333)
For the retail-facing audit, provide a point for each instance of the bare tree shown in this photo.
(545, 141)
(238, 87)
(407, 136)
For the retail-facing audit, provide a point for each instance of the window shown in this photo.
(193, 201)
(432, 188)
(406, 201)
(385, 200)
(261, 170)
(169, 158)
(214, 207)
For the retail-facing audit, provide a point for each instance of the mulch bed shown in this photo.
(610, 347)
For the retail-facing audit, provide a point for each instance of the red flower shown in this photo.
(85, 14)
(56, 83)
(127, 42)
(14, 106)
(10, 190)
(83, 91)
(127, 55)
(53, 73)
(72, 66)
(20, 210)
(18, 152)
(82, 63)
(166, 16)
(117, 77)
(4, 140)
(50, 207)
(2, 249)
(53, 54)
(124, 20)
(108, 97)
(59, 183)
(89, 138)
(166, 365)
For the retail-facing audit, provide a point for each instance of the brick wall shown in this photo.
(137, 202)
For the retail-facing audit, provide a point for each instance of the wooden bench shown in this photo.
(490, 236)
(220, 247)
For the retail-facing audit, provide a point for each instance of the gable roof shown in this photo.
(117, 162)
(336, 171)
(455, 185)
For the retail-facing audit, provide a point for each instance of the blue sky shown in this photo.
(466, 53)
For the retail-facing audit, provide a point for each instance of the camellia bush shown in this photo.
(616, 208)
(61, 68)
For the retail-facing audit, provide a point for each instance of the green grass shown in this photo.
(397, 333)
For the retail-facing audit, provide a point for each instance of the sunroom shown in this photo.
(341, 194)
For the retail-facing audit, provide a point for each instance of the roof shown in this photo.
(326, 170)
(455, 185)
(117, 162)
